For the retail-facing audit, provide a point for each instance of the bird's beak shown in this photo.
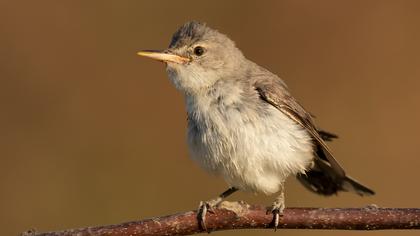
(163, 56)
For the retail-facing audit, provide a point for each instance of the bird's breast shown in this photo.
(253, 149)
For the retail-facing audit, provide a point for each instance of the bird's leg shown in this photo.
(277, 208)
(208, 206)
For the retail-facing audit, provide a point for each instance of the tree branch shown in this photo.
(239, 215)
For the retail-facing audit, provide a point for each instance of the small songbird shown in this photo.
(243, 123)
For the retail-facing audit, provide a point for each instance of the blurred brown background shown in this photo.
(92, 134)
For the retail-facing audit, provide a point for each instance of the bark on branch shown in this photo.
(239, 215)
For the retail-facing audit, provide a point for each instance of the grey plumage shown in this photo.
(326, 177)
(243, 123)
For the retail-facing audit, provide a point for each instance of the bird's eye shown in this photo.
(198, 50)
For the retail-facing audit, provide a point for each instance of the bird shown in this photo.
(244, 124)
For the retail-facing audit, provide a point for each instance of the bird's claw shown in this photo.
(208, 206)
(203, 208)
(277, 211)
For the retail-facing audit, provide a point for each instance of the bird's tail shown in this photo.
(321, 180)
(349, 184)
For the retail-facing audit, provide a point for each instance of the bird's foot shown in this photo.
(208, 207)
(277, 210)
(203, 208)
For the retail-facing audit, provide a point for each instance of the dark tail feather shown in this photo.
(352, 185)
(327, 136)
(322, 180)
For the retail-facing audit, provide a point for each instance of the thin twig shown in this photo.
(239, 215)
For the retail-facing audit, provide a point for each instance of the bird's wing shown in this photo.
(273, 91)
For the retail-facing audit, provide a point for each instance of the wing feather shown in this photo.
(278, 96)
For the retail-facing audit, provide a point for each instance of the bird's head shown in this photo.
(197, 57)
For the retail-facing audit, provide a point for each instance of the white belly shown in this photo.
(253, 154)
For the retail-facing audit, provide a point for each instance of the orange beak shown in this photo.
(163, 56)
